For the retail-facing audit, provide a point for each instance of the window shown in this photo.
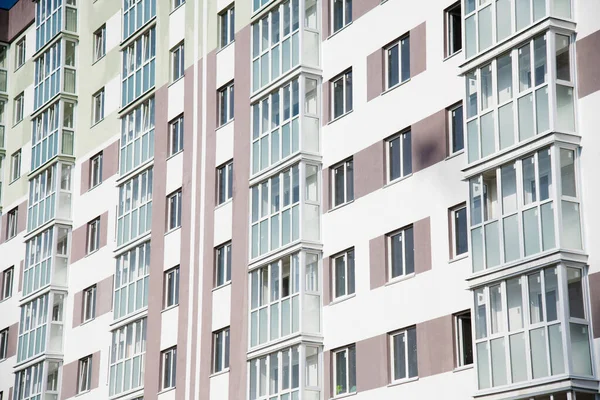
(172, 287)
(225, 182)
(12, 224)
(343, 273)
(40, 319)
(84, 379)
(402, 253)
(135, 15)
(342, 94)
(174, 210)
(458, 221)
(137, 130)
(131, 281)
(403, 346)
(98, 105)
(42, 265)
(344, 367)
(169, 368)
(134, 214)
(342, 14)
(343, 182)
(89, 303)
(100, 43)
(177, 62)
(127, 367)
(139, 61)
(399, 156)
(20, 53)
(19, 105)
(457, 139)
(464, 340)
(15, 166)
(177, 3)
(3, 69)
(278, 371)
(398, 62)
(221, 350)
(93, 235)
(226, 104)
(96, 170)
(453, 22)
(7, 283)
(227, 22)
(3, 344)
(176, 135)
(223, 265)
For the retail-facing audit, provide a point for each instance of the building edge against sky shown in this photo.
(300, 199)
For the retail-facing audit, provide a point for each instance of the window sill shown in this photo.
(221, 286)
(164, 310)
(455, 154)
(176, 8)
(459, 258)
(342, 299)
(83, 392)
(225, 47)
(223, 125)
(174, 154)
(14, 180)
(223, 204)
(176, 80)
(452, 55)
(96, 123)
(396, 86)
(341, 205)
(341, 396)
(222, 372)
(91, 253)
(5, 299)
(340, 117)
(399, 279)
(18, 67)
(172, 230)
(88, 321)
(463, 368)
(19, 121)
(339, 30)
(166, 390)
(94, 187)
(97, 60)
(403, 381)
(402, 178)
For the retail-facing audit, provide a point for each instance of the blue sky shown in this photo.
(7, 3)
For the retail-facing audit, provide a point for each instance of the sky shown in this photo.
(7, 3)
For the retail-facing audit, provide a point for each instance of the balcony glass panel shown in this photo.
(29, 382)
(131, 281)
(48, 20)
(33, 325)
(137, 137)
(136, 13)
(127, 354)
(138, 62)
(52, 133)
(135, 208)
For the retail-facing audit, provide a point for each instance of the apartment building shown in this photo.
(299, 199)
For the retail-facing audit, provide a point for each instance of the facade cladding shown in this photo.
(299, 199)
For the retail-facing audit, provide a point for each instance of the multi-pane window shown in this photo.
(45, 137)
(15, 166)
(403, 354)
(177, 62)
(399, 156)
(131, 281)
(463, 339)
(342, 14)
(127, 357)
(276, 375)
(257, 4)
(33, 328)
(93, 235)
(397, 64)
(226, 103)
(12, 223)
(343, 273)
(171, 287)
(28, 382)
(401, 253)
(275, 43)
(169, 368)
(275, 300)
(49, 72)
(100, 43)
(342, 94)
(344, 370)
(138, 66)
(3, 343)
(89, 303)
(98, 106)
(176, 135)
(225, 182)
(453, 21)
(134, 216)
(19, 108)
(7, 283)
(41, 207)
(39, 266)
(20, 53)
(455, 128)
(227, 25)
(48, 16)
(459, 230)
(275, 211)
(177, 3)
(137, 136)
(223, 265)
(174, 210)
(84, 377)
(3, 68)
(221, 350)
(532, 326)
(136, 13)
(96, 170)
(343, 182)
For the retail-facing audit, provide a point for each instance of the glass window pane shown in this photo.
(488, 143)
(514, 296)
(551, 288)
(480, 314)
(503, 19)
(486, 87)
(523, 13)
(473, 140)
(483, 367)
(399, 356)
(405, 58)
(539, 360)
(545, 173)
(412, 352)
(567, 172)
(512, 242)
(536, 312)
(529, 190)
(393, 65)
(524, 66)
(485, 28)
(575, 288)
(525, 105)
(492, 244)
(571, 225)
(557, 361)
(563, 68)
(542, 110)
(394, 158)
(471, 83)
(548, 240)
(340, 372)
(531, 231)
(539, 56)
(477, 253)
(470, 36)
(518, 358)
(497, 315)
(504, 66)
(498, 362)
(565, 109)
(580, 349)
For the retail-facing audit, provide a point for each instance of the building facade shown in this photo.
(299, 199)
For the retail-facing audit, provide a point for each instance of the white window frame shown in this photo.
(89, 303)
(349, 287)
(459, 330)
(177, 3)
(273, 363)
(404, 139)
(345, 21)
(402, 233)
(223, 265)
(15, 166)
(403, 76)
(100, 43)
(19, 107)
(176, 135)
(12, 223)
(128, 205)
(93, 235)
(40, 256)
(391, 336)
(347, 196)
(136, 133)
(449, 47)
(84, 376)
(177, 62)
(168, 368)
(174, 211)
(221, 340)
(3, 343)
(8, 276)
(137, 331)
(98, 106)
(171, 288)
(349, 388)
(134, 66)
(96, 170)
(227, 27)
(226, 103)
(225, 182)
(453, 227)
(131, 277)
(347, 83)
(451, 132)
(20, 54)
(133, 7)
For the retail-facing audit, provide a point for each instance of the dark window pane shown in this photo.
(338, 98)
(406, 154)
(394, 156)
(457, 130)
(460, 231)
(393, 67)
(405, 57)
(397, 263)
(409, 249)
(340, 372)
(467, 343)
(338, 15)
(348, 92)
(352, 369)
(412, 352)
(349, 180)
(350, 257)
(399, 357)
(340, 277)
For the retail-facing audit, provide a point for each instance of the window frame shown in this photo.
(225, 182)
(19, 108)
(451, 131)
(176, 135)
(347, 197)
(143, 207)
(126, 283)
(84, 374)
(347, 100)
(12, 228)
(348, 350)
(99, 44)
(222, 271)
(449, 31)
(138, 329)
(171, 283)
(391, 337)
(8, 277)
(349, 287)
(93, 236)
(176, 4)
(389, 239)
(459, 340)
(96, 170)
(15, 166)
(20, 53)
(168, 359)
(89, 303)
(403, 75)
(345, 20)
(98, 112)
(454, 255)
(4, 343)
(227, 26)
(404, 137)
(220, 353)
(226, 104)
(177, 62)
(174, 206)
